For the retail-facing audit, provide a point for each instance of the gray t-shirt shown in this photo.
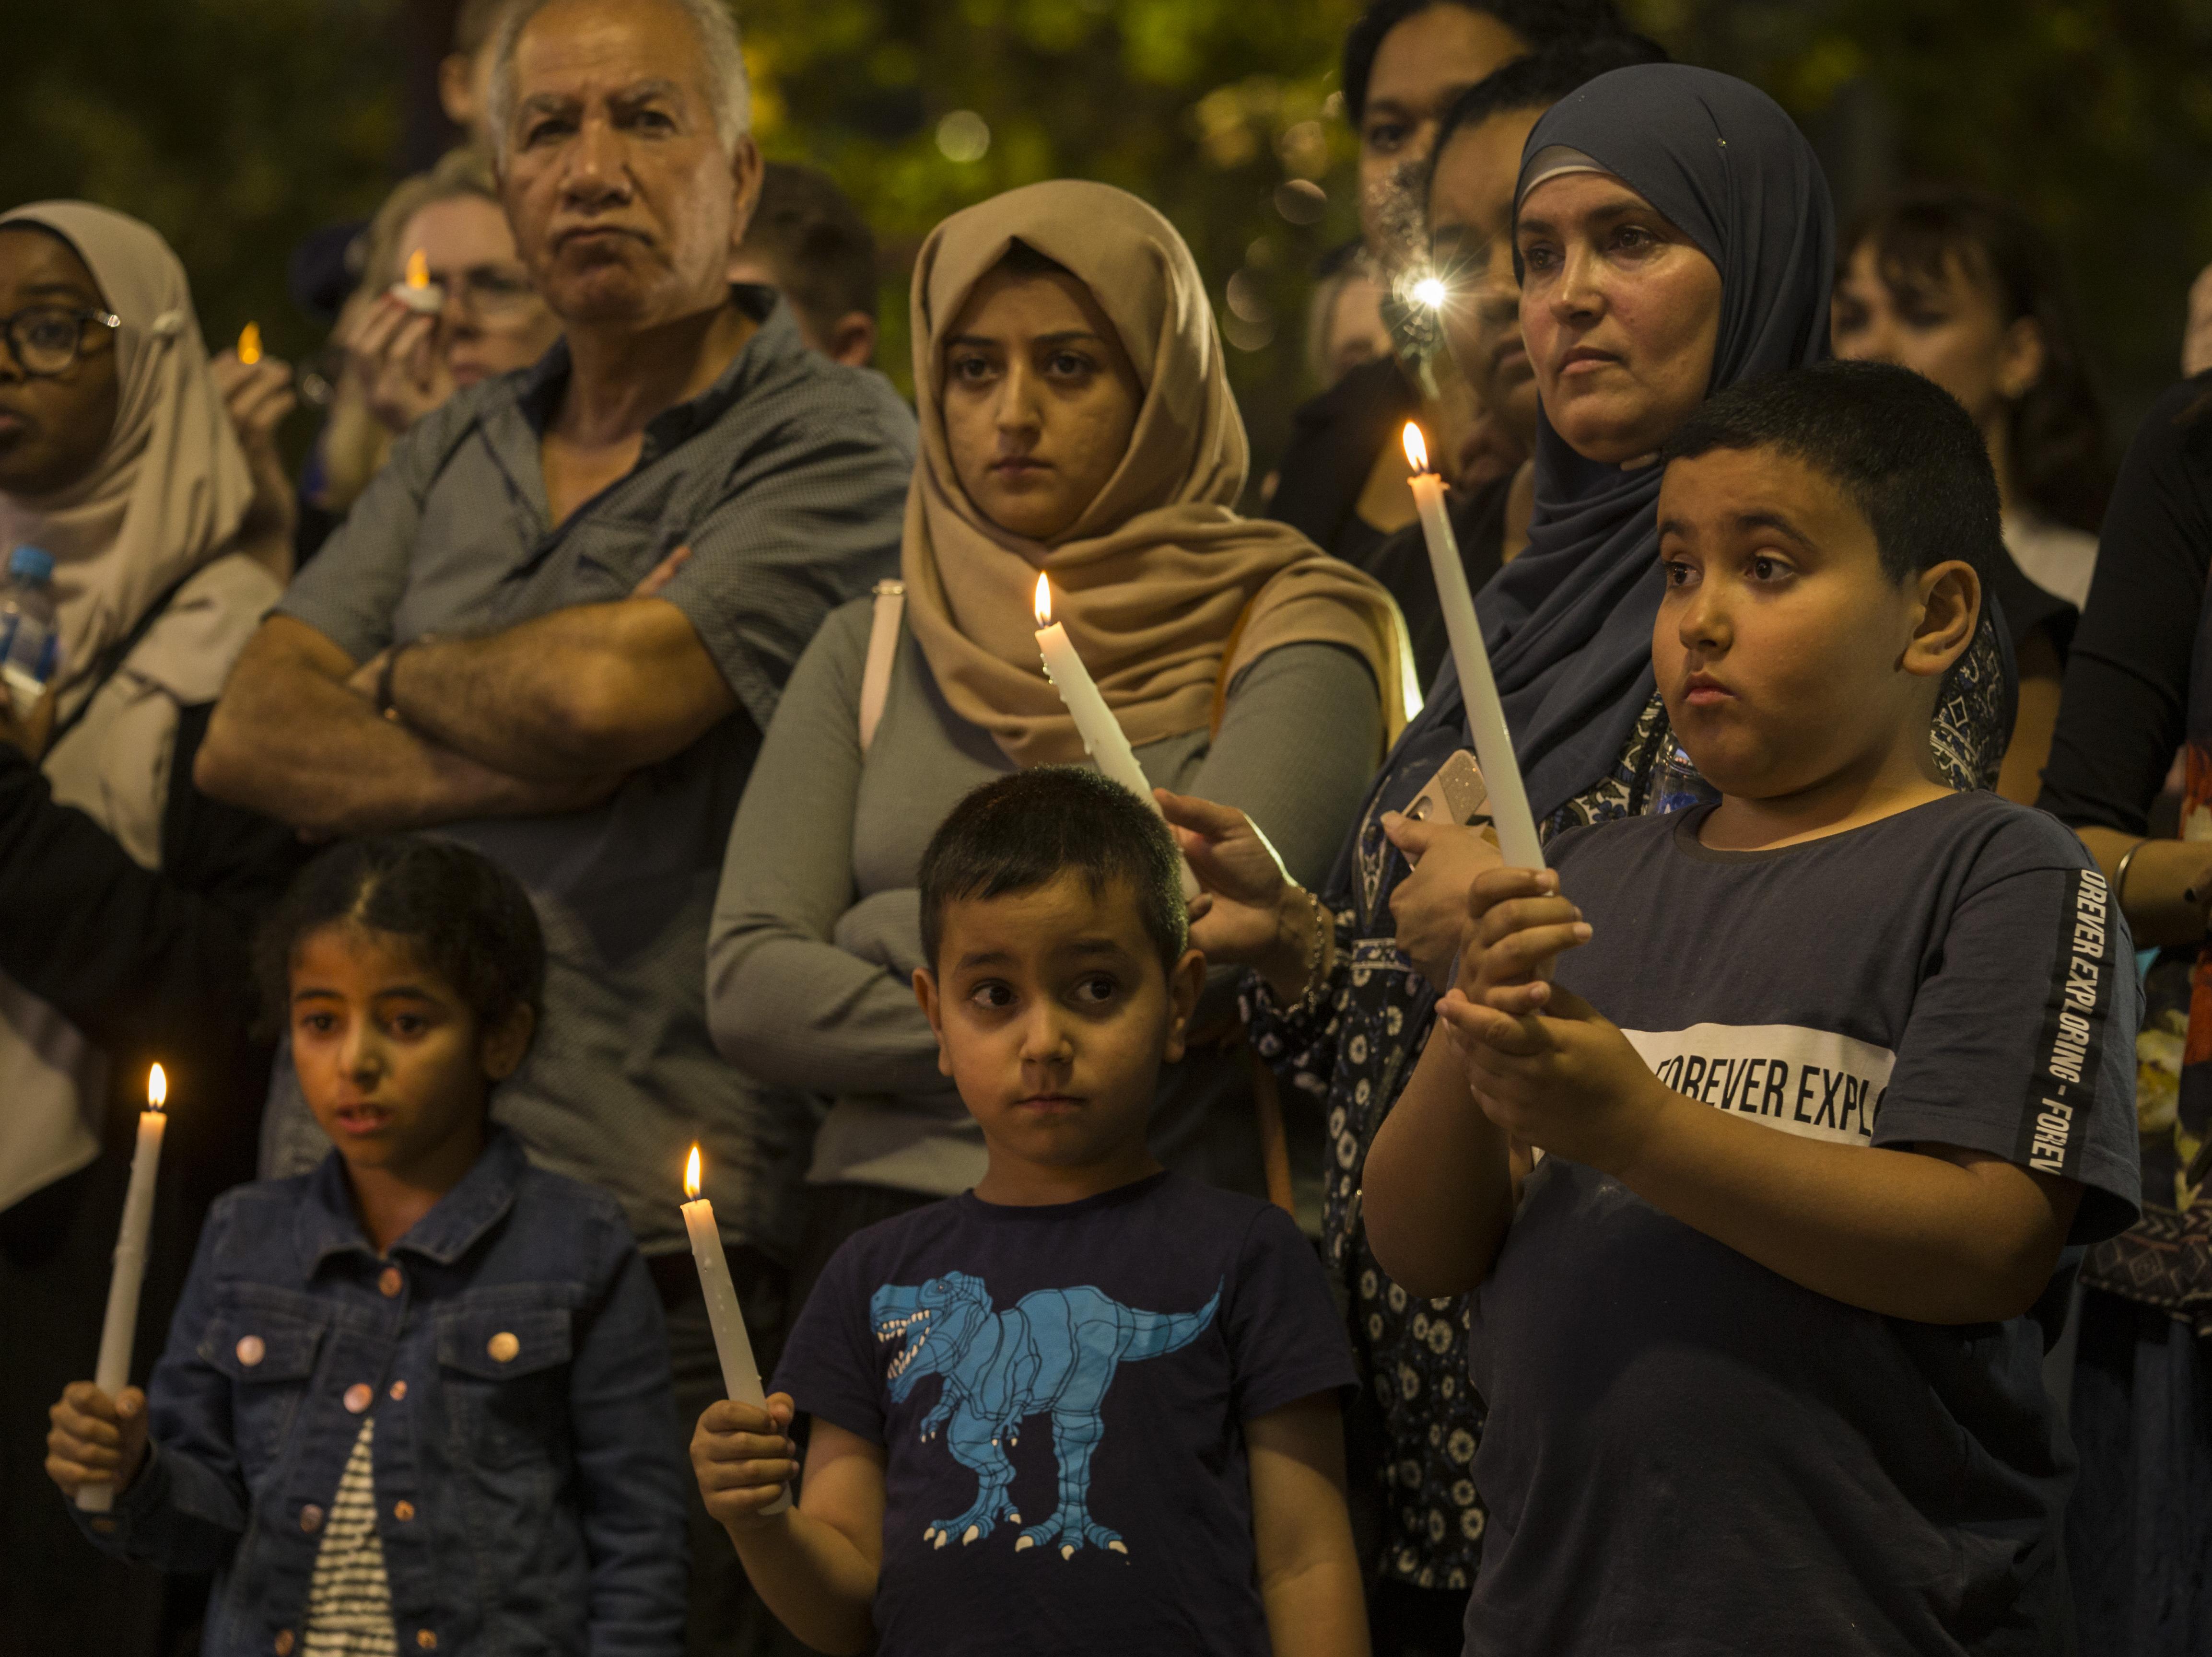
(1686, 1453)
(788, 479)
(817, 925)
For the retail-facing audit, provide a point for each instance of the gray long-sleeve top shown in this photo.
(817, 925)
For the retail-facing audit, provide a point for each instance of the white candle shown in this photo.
(1102, 733)
(741, 1376)
(1485, 717)
(415, 290)
(112, 1373)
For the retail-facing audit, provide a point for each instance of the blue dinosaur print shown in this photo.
(1054, 1354)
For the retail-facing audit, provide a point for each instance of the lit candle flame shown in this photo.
(1044, 602)
(691, 1176)
(249, 344)
(418, 269)
(157, 1088)
(1417, 451)
(1432, 292)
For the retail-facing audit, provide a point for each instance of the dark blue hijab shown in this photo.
(1569, 622)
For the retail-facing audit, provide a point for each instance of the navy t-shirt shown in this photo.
(1061, 1393)
(1689, 1453)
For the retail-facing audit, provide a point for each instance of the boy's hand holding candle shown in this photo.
(1486, 716)
(741, 1377)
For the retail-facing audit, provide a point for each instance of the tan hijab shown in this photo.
(1159, 581)
(169, 491)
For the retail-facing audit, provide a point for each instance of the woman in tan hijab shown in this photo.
(125, 898)
(1076, 422)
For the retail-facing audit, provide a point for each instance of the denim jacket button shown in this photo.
(403, 1511)
(311, 1519)
(250, 1351)
(503, 1347)
(282, 1643)
(425, 1639)
(358, 1397)
(389, 1282)
(399, 1391)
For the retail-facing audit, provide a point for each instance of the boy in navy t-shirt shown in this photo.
(1828, 1075)
(1089, 1405)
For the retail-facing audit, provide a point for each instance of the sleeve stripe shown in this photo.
(2069, 1052)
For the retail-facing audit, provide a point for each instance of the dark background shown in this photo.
(237, 126)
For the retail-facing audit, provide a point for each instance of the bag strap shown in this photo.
(882, 650)
(110, 660)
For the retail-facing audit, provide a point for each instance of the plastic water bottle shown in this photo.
(30, 643)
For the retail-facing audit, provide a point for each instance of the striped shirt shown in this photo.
(350, 1597)
(788, 479)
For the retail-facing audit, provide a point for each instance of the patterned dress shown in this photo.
(349, 1596)
(1355, 1046)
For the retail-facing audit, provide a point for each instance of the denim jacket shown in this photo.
(529, 1484)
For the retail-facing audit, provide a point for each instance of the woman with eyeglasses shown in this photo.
(388, 365)
(126, 898)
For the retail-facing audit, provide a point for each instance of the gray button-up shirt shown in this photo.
(788, 479)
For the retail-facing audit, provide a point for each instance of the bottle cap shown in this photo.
(30, 564)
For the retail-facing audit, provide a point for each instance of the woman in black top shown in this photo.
(2138, 686)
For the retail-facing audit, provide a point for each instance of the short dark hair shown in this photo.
(821, 248)
(1026, 831)
(1538, 81)
(2057, 427)
(466, 918)
(1900, 447)
(1540, 23)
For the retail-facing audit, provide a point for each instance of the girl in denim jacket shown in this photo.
(418, 1400)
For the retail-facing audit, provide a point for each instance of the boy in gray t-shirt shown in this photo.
(1828, 1076)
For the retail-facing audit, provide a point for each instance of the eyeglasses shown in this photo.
(493, 295)
(46, 338)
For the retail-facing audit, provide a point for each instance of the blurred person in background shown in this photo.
(464, 72)
(1344, 319)
(1959, 286)
(809, 242)
(399, 364)
(127, 898)
(2138, 686)
(1342, 479)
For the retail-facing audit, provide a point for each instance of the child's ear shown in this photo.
(1185, 979)
(505, 1043)
(1950, 605)
(925, 990)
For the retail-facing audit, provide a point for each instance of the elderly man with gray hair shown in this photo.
(557, 624)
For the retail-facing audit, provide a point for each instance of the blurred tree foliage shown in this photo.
(236, 126)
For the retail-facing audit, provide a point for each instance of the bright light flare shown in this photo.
(1417, 450)
(249, 343)
(1432, 292)
(418, 269)
(691, 1176)
(157, 1088)
(1044, 602)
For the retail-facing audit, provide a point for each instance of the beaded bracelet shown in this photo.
(1316, 945)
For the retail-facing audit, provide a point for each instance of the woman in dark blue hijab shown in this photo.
(1675, 237)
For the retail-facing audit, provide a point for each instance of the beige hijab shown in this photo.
(163, 502)
(169, 491)
(1166, 592)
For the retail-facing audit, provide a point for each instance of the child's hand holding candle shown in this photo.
(1486, 717)
(741, 1377)
(113, 1371)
